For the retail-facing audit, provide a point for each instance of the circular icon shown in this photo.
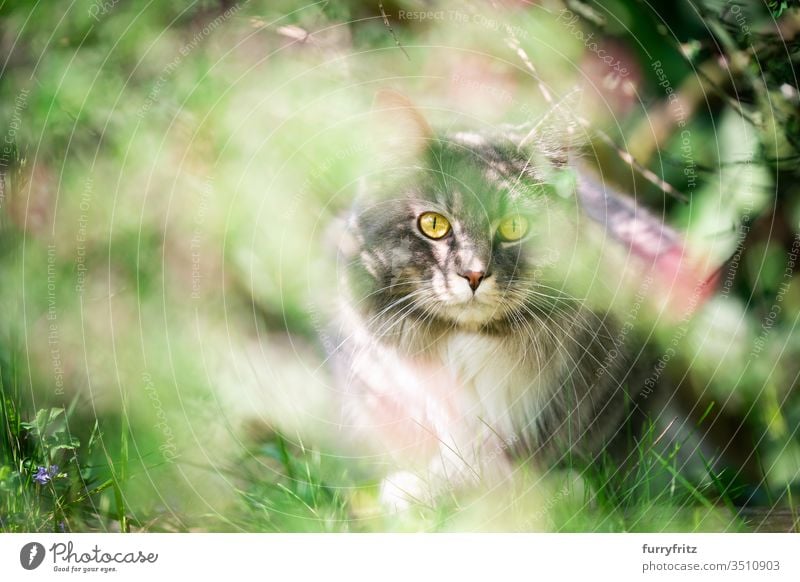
(31, 555)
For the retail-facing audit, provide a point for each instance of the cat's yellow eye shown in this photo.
(513, 227)
(434, 225)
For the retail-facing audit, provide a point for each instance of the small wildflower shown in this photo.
(44, 475)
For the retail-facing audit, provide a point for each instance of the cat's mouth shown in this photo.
(459, 303)
(475, 311)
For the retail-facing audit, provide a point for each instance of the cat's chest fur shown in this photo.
(460, 383)
(496, 376)
(539, 386)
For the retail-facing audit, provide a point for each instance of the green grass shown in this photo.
(281, 485)
(67, 501)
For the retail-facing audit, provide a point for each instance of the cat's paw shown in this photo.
(401, 490)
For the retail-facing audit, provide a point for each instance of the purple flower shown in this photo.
(44, 475)
(41, 476)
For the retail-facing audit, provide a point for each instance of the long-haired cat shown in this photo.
(463, 343)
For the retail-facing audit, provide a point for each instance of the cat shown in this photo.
(461, 346)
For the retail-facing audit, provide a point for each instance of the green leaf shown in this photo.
(777, 7)
(44, 418)
(71, 445)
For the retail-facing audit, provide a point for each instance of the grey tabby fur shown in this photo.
(454, 385)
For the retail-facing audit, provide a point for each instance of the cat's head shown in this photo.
(460, 233)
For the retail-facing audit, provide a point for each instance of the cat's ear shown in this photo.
(401, 125)
(556, 134)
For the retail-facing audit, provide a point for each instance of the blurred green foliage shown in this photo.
(171, 173)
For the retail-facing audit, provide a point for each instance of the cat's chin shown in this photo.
(471, 314)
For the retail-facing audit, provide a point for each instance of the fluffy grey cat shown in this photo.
(463, 344)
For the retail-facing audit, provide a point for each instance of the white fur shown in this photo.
(442, 409)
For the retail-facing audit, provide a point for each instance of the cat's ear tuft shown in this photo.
(400, 122)
(556, 133)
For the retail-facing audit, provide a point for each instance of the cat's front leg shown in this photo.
(480, 462)
(427, 422)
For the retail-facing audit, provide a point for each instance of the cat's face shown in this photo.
(461, 238)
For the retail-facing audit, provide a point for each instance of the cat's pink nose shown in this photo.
(474, 278)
